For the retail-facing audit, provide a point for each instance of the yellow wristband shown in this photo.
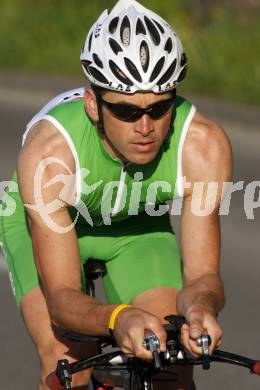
(115, 312)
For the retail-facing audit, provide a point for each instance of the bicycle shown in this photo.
(115, 369)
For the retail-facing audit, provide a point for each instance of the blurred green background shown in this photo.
(221, 38)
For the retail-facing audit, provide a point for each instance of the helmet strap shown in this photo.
(100, 123)
(166, 142)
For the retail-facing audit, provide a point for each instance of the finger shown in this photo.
(154, 325)
(127, 347)
(195, 322)
(195, 350)
(185, 336)
(128, 351)
(136, 336)
(196, 329)
(162, 339)
(216, 341)
(142, 353)
(159, 331)
(185, 339)
(215, 331)
(219, 343)
(189, 344)
(129, 354)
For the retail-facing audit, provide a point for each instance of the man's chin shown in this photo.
(142, 158)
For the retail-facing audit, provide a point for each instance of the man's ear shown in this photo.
(90, 103)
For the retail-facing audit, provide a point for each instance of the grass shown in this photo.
(222, 44)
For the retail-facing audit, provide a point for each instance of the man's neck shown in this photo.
(112, 150)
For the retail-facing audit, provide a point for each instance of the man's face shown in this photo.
(137, 142)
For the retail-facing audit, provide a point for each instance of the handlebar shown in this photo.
(174, 355)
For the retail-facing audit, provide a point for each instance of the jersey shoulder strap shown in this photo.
(68, 96)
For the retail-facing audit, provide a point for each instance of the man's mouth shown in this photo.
(146, 142)
(144, 146)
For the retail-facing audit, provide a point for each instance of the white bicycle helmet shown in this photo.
(133, 49)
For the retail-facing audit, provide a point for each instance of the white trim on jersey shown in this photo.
(41, 115)
(179, 180)
(68, 96)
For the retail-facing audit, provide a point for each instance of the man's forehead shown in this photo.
(136, 98)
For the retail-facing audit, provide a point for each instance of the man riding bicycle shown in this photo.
(95, 170)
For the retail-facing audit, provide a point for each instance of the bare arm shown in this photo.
(207, 159)
(57, 253)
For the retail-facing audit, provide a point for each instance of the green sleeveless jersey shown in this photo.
(106, 190)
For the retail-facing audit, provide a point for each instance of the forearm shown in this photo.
(203, 287)
(74, 310)
(58, 263)
(206, 292)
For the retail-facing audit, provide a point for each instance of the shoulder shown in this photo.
(45, 156)
(45, 140)
(207, 154)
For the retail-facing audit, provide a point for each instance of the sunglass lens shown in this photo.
(123, 111)
(129, 113)
(159, 109)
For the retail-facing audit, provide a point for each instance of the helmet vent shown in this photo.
(140, 29)
(159, 26)
(153, 31)
(113, 25)
(115, 46)
(144, 55)
(125, 31)
(132, 69)
(157, 69)
(90, 42)
(98, 61)
(119, 74)
(168, 74)
(169, 45)
(86, 64)
(183, 59)
(182, 75)
(97, 75)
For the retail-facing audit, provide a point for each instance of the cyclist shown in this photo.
(108, 157)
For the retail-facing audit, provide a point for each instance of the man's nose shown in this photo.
(144, 125)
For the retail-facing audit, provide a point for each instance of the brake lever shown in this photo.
(151, 343)
(204, 342)
(63, 372)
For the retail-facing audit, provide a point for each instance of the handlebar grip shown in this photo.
(53, 382)
(256, 368)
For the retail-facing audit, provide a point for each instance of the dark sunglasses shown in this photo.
(130, 113)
